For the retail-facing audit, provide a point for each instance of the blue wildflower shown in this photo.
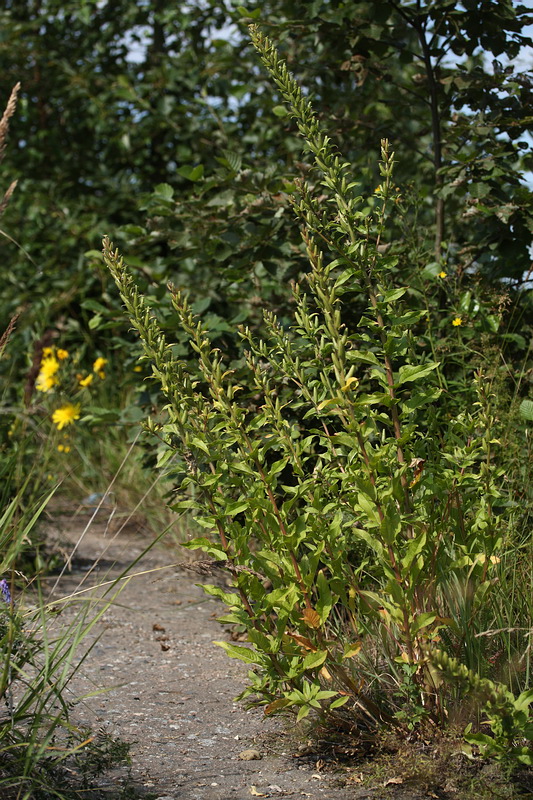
(4, 591)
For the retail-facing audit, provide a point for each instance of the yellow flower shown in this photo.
(63, 448)
(457, 321)
(65, 415)
(49, 365)
(46, 377)
(47, 351)
(86, 381)
(443, 274)
(101, 374)
(45, 382)
(62, 354)
(99, 364)
(137, 369)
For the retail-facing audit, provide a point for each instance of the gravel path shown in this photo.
(171, 690)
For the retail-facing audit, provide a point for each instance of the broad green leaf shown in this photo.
(422, 621)
(232, 509)
(207, 546)
(245, 654)
(315, 659)
(414, 372)
(165, 191)
(229, 598)
(340, 701)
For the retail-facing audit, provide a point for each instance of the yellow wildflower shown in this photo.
(65, 415)
(62, 354)
(443, 274)
(457, 321)
(101, 374)
(86, 381)
(137, 369)
(45, 382)
(48, 351)
(99, 364)
(47, 373)
(49, 365)
(63, 448)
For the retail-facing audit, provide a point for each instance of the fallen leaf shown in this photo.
(157, 627)
(255, 793)
(164, 646)
(393, 780)
(355, 778)
(238, 637)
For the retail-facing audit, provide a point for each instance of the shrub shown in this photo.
(352, 506)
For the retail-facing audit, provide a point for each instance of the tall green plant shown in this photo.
(357, 526)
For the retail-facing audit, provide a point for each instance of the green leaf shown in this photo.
(201, 445)
(245, 12)
(414, 548)
(303, 712)
(245, 654)
(229, 598)
(393, 294)
(192, 173)
(314, 660)
(340, 701)
(369, 507)
(324, 603)
(265, 643)
(422, 621)
(232, 509)
(526, 410)
(164, 190)
(414, 372)
(95, 322)
(201, 543)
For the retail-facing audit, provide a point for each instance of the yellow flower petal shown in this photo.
(45, 382)
(49, 365)
(99, 364)
(86, 381)
(65, 415)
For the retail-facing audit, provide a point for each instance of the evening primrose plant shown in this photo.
(358, 528)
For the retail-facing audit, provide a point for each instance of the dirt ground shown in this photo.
(169, 691)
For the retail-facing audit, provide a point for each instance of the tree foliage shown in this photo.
(157, 119)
